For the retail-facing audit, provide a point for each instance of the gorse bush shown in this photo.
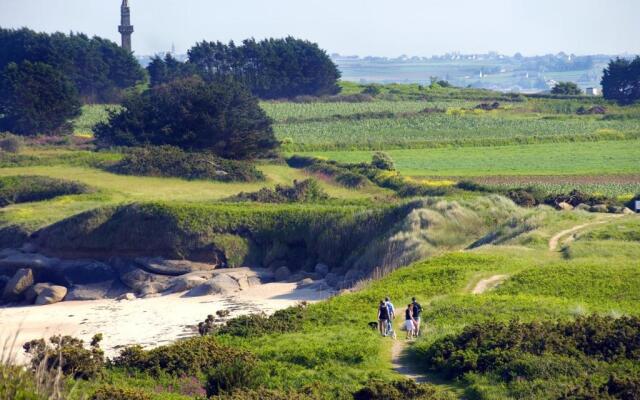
(282, 321)
(189, 357)
(22, 189)
(398, 390)
(171, 161)
(10, 143)
(382, 160)
(496, 346)
(67, 354)
(305, 191)
(109, 392)
(220, 116)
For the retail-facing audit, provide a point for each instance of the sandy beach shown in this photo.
(149, 322)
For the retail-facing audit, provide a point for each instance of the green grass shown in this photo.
(91, 115)
(599, 158)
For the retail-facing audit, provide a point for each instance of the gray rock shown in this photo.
(189, 281)
(172, 267)
(85, 272)
(565, 206)
(305, 283)
(219, 284)
(627, 211)
(50, 295)
(333, 279)
(127, 297)
(282, 274)
(33, 261)
(320, 286)
(34, 291)
(583, 207)
(93, 291)
(600, 208)
(145, 283)
(321, 269)
(254, 281)
(353, 275)
(21, 281)
(274, 265)
(29, 248)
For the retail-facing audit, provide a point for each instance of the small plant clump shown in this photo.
(397, 390)
(109, 392)
(24, 189)
(282, 321)
(67, 354)
(10, 143)
(169, 161)
(305, 191)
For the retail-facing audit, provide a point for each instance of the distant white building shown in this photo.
(592, 91)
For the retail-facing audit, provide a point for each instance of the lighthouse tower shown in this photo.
(125, 28)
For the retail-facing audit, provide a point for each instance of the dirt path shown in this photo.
(400, 364)
(487, 284)
(555, 239)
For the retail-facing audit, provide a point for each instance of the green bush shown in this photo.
(382, 160)
(171, 161)
(10, 143)
(626, 388)
(238, 374)
(118, 393)
(396, 390)
(282, 321)
(495, 346)
(68, 354)
(307, 191)
(24, 189)
(190, 357)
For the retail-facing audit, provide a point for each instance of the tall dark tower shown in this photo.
(125, 28)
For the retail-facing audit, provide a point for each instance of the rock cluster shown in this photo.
(27, 277)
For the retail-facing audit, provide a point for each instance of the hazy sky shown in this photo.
(362, 27)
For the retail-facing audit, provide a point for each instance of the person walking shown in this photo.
(409, 321)
(392, 316)
(416, 310)
(383, 317)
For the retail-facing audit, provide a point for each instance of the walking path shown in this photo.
(487, 284)
(400, 364)
(555, 239)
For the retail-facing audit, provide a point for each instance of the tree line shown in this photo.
(271, 68)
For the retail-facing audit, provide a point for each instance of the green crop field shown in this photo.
(597, 158)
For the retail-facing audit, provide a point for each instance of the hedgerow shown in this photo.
(168, 161)
(306, 191)
(24, 189)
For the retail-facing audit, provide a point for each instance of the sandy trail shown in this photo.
(486, 284)
(555, 240)
(401, 365)
(149, 322)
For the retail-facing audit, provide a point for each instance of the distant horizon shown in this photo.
(376, 28)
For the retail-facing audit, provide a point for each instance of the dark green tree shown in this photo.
(273, 68)
(220, 116)
(566, 89)
(99, 68)
(621, 81)
(36, 99)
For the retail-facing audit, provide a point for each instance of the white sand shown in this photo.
(149, 322)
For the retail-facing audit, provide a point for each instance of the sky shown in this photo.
(352, 27)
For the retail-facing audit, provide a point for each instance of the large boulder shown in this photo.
(92, 291)
(219, 284)
(187, 282)
(245, 277)
(321, 269)
(599, 208)
(565, 206)
(45, 293)
(145, 283)
(51, 295)
(332, 279)
(282, 274)
(85, 272)
(41, 266)
(583, 207)
(172, 267)
(18, 284)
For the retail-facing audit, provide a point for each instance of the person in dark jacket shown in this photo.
(417, 310)
(383, 317)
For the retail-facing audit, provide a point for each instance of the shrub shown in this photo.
(396, 390)
(351, 180)
(372, 90)
(171, 161)
(36, 99)
(282, 321)
(68, 354)
(566, 89)
(238, 374)
(220, 116)
(382, 160)
(626, 388)
(23, 189)
(269, 394)
(308, 190)
(184, 358)
(117, 393)
(523, 197)
(493, 346)
(10, 143)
